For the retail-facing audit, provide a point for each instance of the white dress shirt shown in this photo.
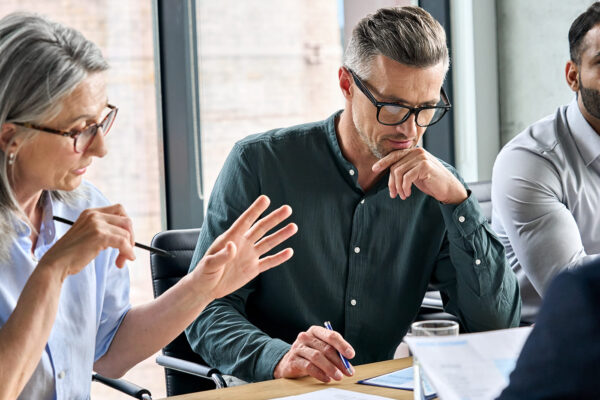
(91, 308)
(545, 193)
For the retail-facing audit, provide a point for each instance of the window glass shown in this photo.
(264, 64)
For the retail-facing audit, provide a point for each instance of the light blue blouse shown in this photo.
(91, 308)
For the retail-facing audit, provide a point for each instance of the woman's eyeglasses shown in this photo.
(81, 138)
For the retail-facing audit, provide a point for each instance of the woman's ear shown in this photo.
(7, 136)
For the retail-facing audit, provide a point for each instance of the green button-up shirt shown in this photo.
(361, 259)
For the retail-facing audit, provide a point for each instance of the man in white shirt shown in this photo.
(546, 181)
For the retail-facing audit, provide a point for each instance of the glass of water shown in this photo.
(428, 328)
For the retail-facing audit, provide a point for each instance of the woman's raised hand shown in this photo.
(234, 257)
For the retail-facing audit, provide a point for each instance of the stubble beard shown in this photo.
(591, 99)
(373, 148)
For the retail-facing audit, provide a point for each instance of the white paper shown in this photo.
(472, 366)
(333, 394)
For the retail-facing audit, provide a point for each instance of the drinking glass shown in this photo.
(428, 328)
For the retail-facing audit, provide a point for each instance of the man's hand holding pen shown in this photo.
(315, 353)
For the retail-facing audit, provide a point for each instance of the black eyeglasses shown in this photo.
(396, 114)
(84, 137)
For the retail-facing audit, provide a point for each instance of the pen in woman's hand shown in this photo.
(141, 246)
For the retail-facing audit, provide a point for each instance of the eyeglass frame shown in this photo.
(411, 110)
(74, 134)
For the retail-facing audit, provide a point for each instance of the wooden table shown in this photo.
(288, 387)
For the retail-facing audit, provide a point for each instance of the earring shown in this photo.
(11, 158)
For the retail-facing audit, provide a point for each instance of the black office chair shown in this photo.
(185, 371)
(432, 306)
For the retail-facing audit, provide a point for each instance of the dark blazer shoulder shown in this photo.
(561, 357)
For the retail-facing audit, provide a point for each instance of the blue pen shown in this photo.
(344, 361)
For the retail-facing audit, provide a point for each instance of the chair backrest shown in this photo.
(166, 272)
(483, 192)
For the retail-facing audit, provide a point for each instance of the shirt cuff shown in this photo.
(272, 353)
(463, 219)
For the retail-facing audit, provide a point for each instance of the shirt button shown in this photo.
(61, 374)
(362, 201)
(357, 250)
(353, 302)
(351, 172)
(461, 219)
(477, 262)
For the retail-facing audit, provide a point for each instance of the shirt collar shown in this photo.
(333, 140)
(21, 227)
(585, 137)
(348, 169)
(47, 229)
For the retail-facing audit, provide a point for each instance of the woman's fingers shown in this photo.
(120, 261)
(248, 217)
(116, 215)
(115, 209)
(220, 258)
(267, 223)
(124, 223)
(105, 227)
(269, 242)
(117, 238)
(269, 262)
(240, 225)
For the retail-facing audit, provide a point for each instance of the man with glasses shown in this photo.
(379, 220)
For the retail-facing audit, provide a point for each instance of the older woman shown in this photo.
(64, 291)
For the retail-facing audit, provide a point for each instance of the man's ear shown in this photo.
(572, 75)
(7, 136)
(345, 81)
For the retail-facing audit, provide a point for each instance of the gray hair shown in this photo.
(41, 62)
(408, 35)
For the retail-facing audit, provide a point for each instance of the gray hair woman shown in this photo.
(64, 291)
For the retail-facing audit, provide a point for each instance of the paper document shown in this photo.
(333, 394)
(472, 366)
(401, 379)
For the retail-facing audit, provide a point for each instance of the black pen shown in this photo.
(141, 246)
